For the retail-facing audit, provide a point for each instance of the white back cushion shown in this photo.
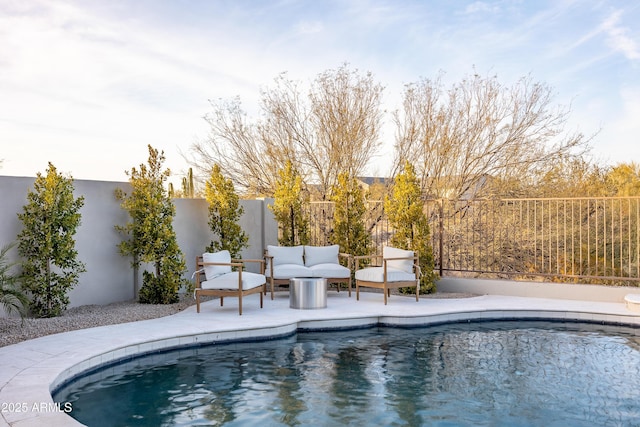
(213, 271)
(286, 254)
(314, 255)
(404, 265)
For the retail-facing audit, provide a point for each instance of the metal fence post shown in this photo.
(441, 237)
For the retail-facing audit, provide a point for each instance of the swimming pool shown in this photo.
(489, 373)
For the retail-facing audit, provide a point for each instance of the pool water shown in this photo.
(477, 374)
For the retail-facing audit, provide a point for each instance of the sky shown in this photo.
(89, 84)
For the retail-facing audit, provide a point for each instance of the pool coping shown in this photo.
(31, 370)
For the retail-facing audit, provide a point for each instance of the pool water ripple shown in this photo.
(483, 374)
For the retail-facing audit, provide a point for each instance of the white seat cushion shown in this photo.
(314, 255)
(286, 254)
(405, 265)
(287, 271)
(330, 270)
(213, 271)
(376, 274)
(230, 281)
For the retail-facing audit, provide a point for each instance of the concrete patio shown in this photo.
(31, 369)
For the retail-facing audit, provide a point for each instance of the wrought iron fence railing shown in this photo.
(594, 240)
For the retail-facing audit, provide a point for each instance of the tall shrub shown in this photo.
(349, 230)
(404, 208)
(151, 237)
(287, 207)
(46, 242)
(224, 213)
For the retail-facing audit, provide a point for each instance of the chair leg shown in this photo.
(197, 302)
(349, 286)
(261, 304)
(221, 301)
(271, 288)
(357, 291)
(240, 303)
(384, 291)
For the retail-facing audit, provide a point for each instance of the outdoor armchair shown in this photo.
(399, 269)
(215, 276)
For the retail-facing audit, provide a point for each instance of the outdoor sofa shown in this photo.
(286, 262)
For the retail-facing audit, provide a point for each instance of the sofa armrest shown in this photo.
(363, 257)
(244, 261)
(268, 262)
(418, 271)
(348, 257)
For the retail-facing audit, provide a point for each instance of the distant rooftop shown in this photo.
(370, 180)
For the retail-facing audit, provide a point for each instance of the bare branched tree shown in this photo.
(458, 138)
(334, 128)
(346, 116)
(235, 145)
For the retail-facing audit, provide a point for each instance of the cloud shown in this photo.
(628, 119)
(618, 140)
(481, 7)
(309, 27)
(618, 37)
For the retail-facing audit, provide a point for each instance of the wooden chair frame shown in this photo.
(222, 293)
(385, 285)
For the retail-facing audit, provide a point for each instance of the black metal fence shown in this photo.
(590, 240)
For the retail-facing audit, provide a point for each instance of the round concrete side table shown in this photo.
(307, 292)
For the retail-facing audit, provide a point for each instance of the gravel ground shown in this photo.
(13, 331)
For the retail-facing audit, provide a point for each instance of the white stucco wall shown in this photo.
(109, 277)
